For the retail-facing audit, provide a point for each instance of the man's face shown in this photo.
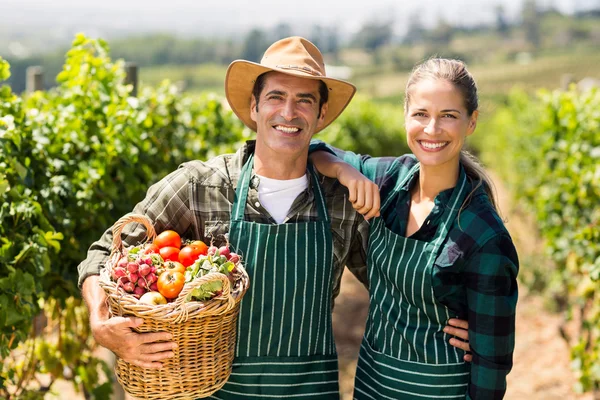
(287, 115)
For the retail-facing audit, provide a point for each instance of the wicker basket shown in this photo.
(205, 332)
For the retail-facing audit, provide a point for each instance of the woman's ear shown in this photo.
(472, 122)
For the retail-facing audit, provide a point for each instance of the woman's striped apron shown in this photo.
(285, 347)
(405, 354)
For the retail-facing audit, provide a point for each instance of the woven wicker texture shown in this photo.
(205, 332)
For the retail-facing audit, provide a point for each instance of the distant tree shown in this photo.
(317, 36)
(255, 44)
(502, 26)
(442, 34)
(416, 30)
(374, 34)
(282, 30)
(531, 22)
(332, 41)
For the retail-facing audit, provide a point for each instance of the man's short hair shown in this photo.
(259, 85)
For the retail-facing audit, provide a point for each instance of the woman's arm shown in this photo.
(490, 277)
(362, 193)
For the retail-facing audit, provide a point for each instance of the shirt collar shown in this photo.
(445, 195)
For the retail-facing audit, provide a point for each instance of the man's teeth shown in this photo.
(433, 145)
(286, 129)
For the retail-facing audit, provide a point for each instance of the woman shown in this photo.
(439, 251)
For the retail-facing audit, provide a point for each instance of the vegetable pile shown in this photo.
(156, 272)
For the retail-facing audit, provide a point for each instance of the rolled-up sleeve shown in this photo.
(491, 284)
(166, 205)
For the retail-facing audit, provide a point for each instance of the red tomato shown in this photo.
(189, 254)
(200, 244)
(151, 248)
(169, 253)
(174, 266)
(168, 239)
(170, 284)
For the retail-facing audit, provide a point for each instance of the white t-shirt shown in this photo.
(277, 196)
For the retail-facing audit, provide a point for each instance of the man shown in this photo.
(295, 229)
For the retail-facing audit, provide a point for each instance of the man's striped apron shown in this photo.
(285, 347)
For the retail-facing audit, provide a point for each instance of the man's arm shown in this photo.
(167, 206)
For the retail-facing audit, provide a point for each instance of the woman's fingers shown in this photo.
(458, 332)
(373, 202)
(460, 344)
(364, 196)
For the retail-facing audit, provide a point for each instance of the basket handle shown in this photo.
(117, 245)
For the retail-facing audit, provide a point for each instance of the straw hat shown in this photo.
(292, 56)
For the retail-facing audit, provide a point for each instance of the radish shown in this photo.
(138, 291)
(123, 262)
(144, 269)
(146, 260)
(132, 267)
(129, 287)
(151, 277)
(224, 251)
(234, 258)
(133, 277)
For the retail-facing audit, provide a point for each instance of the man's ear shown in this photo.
(324, 109)
(472, 122)
(253, 111)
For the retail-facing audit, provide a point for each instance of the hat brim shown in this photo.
(242, 74)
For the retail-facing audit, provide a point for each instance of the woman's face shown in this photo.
(437, 122)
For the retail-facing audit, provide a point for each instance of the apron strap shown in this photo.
(451, 211)
(319, 196)
(241, 193)
(396, 189)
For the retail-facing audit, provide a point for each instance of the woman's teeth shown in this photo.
(433, 146)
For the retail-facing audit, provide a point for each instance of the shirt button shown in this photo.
(257, 204)
(428, 221)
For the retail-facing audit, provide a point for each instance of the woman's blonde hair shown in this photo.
(455, 72)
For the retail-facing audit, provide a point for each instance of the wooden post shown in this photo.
(35, 79)
(131, 77)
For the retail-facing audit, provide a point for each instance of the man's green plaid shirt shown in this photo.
(475, 273)
(196, 200)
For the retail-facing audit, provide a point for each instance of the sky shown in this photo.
(59, 19)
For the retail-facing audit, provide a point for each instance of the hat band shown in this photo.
(306, 69)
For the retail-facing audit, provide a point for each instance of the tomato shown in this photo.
(169, 253)
(168, 239)
(189, 254)
(201, 245)
(174, 266)
(151, 248)
(170, 284)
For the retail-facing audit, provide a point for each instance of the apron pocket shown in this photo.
(381, 376)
